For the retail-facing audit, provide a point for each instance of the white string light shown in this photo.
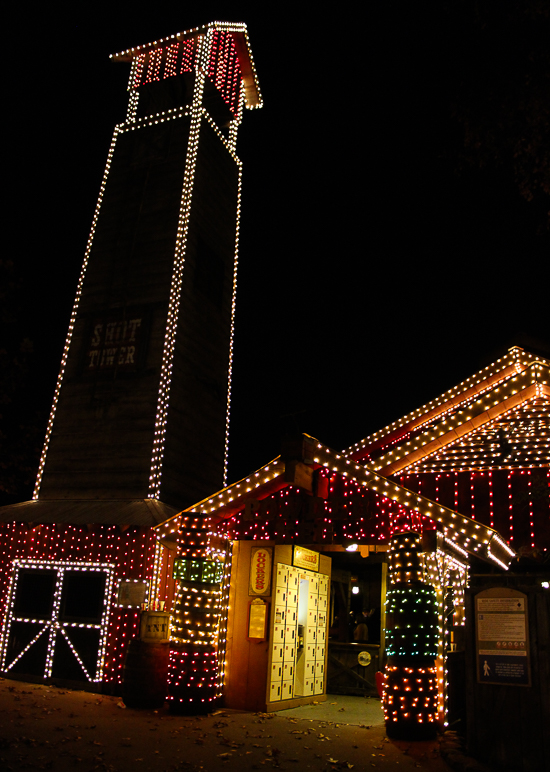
(54, 625)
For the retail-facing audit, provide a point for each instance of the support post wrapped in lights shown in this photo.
(197, 647)
(410, 696)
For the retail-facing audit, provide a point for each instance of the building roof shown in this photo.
(498, 418)
(238, 31)
(461, 533)
(133, 512)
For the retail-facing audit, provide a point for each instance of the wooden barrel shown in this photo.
(145, 681)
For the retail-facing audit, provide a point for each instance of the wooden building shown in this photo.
(468, 472)
(480, 448)
(138, 426)
(130, 507)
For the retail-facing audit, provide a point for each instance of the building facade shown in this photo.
(138, 425)
(131, 510)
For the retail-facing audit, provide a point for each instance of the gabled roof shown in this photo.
(238, 31)
(500, 417)
(462, 533)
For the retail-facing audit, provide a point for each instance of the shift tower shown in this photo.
(141, 406)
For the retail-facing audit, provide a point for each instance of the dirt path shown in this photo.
(43, 727)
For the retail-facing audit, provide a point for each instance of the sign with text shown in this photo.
(115, 342)
(304, 558)
(502, 637)
(257, 619)
(260, 571)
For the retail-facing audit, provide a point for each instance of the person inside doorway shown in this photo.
(361, 632)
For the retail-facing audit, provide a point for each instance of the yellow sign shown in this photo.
(304, 558)
(364, 658)
(257, 619)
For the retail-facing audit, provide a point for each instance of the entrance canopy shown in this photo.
(482, 448)
(315, 495)
(498, 418)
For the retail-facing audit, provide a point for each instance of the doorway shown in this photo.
(56, 625)
(356, 621)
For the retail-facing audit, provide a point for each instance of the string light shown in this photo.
(414, 631)
(57, 551)
(513, 363)
(224, 68)
(197, 647)
(268, 482)
(219, 52)
(53, 624)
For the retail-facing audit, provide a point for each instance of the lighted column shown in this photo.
(197, 648)
(412, 634)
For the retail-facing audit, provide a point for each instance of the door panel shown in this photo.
(67, 603)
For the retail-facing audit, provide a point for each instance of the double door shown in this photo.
(56, 620)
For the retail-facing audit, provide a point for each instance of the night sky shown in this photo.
(379, 265)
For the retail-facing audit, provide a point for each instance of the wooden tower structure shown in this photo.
(141, 407)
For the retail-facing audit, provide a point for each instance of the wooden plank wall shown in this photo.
(104, 428)
(195, 444)
(246, 668)
(103, 432)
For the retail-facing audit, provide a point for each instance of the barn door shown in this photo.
(57, 620)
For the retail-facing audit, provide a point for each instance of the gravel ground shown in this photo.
(44, 727)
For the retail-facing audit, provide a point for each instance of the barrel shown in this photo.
(145, 674)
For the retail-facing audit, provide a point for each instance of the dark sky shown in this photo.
(372, 275)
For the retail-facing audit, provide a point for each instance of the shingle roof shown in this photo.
(139, 512)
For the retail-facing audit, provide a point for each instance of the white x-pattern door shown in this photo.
(56, 622)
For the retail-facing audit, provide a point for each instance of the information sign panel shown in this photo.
(257, 619)
(502, 637)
